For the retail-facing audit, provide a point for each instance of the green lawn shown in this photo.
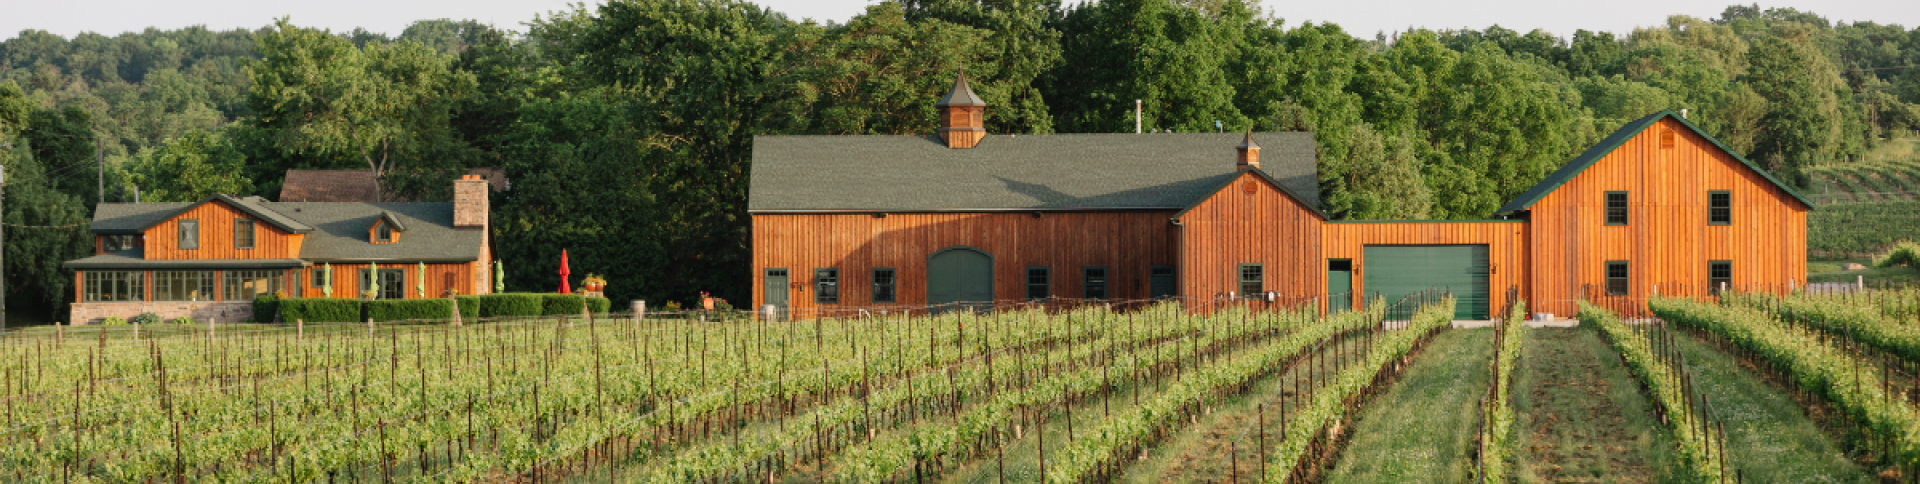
(1582, 416)
(1831, 271)
(1422, 429)
(1769, 437)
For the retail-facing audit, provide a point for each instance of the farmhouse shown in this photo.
(208, 259)
(962, 216)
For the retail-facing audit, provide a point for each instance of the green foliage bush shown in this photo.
(1902, 254)
(320, 310)
(184, 321)
(469, 306)
(405, 309)
(265, 307)
(599, 305)
(509, 304)
(114, 321)
(146, 318)
(562, 304)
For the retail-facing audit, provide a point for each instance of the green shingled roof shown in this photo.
(1612, 142)
(1014, 172)
(337, 231)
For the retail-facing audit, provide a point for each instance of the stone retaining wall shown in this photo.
(200, 311)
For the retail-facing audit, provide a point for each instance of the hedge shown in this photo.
(469, 306)
(404, 309)
(509, 304)
(265, 307)
(320, 310)
(599, 305)
(562, 304)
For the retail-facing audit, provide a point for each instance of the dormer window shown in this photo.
(384, 234)
(386, 229)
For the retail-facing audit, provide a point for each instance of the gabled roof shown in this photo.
(134, 218)
(1055, 172)
(336, 231)
(393, 220)
(1614, 141)
(961, 94)
(1264, 176)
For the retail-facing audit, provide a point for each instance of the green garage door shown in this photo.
(1394, 271)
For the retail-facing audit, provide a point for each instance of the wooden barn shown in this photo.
(961, 216)
(208, 259)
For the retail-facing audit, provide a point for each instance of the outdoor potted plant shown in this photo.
(594, 283)
(707, 300)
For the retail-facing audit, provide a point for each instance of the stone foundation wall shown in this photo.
(219, 312)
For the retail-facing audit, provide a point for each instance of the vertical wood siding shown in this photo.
(346, 279)
(1128, 243)
(216, 237)
(1667, 241)
(1506, 242)
(1265, 227)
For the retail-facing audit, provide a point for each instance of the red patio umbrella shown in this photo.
(564, 287)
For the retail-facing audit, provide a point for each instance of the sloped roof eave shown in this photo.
(1270, 181)
(1613, 142)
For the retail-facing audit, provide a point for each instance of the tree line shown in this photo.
(626, 128)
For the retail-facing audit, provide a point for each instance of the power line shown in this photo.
(47, 226)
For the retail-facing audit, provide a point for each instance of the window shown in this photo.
(1037, 282)
(1252, 281)
(119, 242)
(189, 233)
(826, 285)
(1616, 208)
(105, 286)
(883, 285)
(393, 283)
(319, 276)
(183, 285)
(1094, 282)
(243, 233)
(1719, 207)
(383, 232)
(245, 285)
(1719, 273)
(1616, 278)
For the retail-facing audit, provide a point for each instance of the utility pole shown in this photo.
(100, 154)
(3, 252)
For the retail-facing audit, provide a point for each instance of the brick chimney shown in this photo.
(962, 115)
(1249, 153)
(470, 202)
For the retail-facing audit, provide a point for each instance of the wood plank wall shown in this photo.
(1262, 225)
(216, 237)
(1507, 248)
(1667, 241)
(1128, 243)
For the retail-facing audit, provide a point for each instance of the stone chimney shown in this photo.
(470, 208)
(1249, 153)
(963, 115)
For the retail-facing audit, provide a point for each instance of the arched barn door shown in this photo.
(962, 275)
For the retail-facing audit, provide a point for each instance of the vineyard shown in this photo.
(897, 397)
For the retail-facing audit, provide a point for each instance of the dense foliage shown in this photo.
(627, 128)
(320, 310)
(406, 309)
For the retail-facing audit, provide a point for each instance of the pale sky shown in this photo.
(1361, 18)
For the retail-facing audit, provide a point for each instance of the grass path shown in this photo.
(1422, 428)
(1582, 417)
(1768, 435)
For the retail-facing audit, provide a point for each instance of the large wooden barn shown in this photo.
(843, 223)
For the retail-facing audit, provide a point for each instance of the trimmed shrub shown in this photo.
(509, 304)
(599, 305)
(265, 307)
(404, 309)
(469, 306)
(146, 318)
(1902, 254)
(184, 321)
(562, 304)
(320, 309)
(114, 321)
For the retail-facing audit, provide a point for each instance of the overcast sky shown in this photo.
(1362, 18)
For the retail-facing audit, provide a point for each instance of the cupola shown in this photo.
(962, 115)
(1249, 153)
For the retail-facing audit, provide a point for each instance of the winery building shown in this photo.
(962, 216)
